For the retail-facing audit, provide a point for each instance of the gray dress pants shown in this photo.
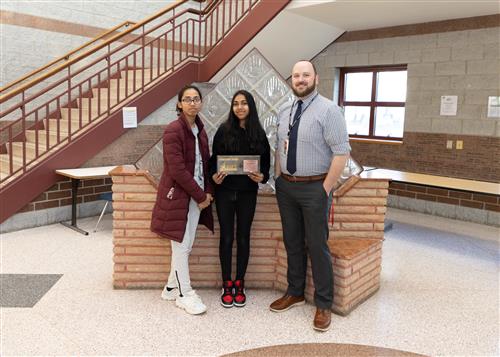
(304, 210)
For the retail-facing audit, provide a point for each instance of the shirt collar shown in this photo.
(184, 123)
(308, 99)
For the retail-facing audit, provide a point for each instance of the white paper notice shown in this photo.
(493, 107)
(129, 117)
(448, 105)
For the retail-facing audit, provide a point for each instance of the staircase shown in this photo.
(65, 115)
(48, 134)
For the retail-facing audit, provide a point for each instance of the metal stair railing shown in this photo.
(49, 111)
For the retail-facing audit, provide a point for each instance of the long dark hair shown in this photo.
(181, 94)
(254, 131)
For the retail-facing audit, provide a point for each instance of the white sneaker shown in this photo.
(169, 295)
(191, 302)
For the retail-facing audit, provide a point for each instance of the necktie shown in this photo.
(291, 161)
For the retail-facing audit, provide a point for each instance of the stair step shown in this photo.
(104, 95)
(114, 90)
(130, 81)
(30, 148)
(75, 115)
(3, 176)
(17, 163)
(138, 73)
(123, 86)
(15, 159)
(42, 137)
(63, 125)
(17, 150)
(93, 103)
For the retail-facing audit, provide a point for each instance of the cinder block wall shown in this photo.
(50, 29)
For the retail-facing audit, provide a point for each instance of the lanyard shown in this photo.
(290, 124)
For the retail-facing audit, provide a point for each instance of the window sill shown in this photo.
(377, 141)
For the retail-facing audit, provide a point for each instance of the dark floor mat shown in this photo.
(25, 290)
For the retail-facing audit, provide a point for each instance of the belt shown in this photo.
(303, 178)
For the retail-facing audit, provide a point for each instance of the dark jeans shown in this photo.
(229, 203)
(304, 211)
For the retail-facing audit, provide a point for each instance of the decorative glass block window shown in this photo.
(374, 99)
(254, 74)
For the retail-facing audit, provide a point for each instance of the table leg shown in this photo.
(74, 197)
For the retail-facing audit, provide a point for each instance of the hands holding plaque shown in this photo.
(218, 177)
(256, 176)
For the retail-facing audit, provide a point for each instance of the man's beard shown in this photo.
(306, 92)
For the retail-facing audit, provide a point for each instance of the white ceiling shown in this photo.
(305, 27)
(352, 15)
(282, 42)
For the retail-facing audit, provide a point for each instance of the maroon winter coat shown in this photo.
(177, 184)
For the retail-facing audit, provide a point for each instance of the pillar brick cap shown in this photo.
(126, 170)
(349, 248)
(131, 170)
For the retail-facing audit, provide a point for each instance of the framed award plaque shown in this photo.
(238, 164)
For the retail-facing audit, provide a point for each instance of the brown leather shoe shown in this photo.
(286, 302)
(322, 319)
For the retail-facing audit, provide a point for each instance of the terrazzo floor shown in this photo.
(439, 295)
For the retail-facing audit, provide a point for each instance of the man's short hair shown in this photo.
(313, 66)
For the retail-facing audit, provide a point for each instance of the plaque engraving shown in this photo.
(238, 164)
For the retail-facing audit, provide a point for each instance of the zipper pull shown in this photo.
(170, 193)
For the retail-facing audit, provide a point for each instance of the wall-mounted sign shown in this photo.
(129, 117)
(448, 105)
(493, 107)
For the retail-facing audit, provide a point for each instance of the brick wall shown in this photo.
(60, 194)
(455, 197)
(427, 153)
(360, 211)
(142, 259)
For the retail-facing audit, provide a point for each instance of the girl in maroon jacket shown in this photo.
(184, 196)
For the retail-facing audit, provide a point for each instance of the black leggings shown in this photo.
(229, 203)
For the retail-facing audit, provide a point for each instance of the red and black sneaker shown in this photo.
(240, 298)
(226, 299)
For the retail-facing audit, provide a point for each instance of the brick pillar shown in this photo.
(355, 243)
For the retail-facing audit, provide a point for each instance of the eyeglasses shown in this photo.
(189, 100)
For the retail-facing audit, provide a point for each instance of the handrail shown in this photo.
(66, 56)
(13, 93)
(40, 120)
(207, 9)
